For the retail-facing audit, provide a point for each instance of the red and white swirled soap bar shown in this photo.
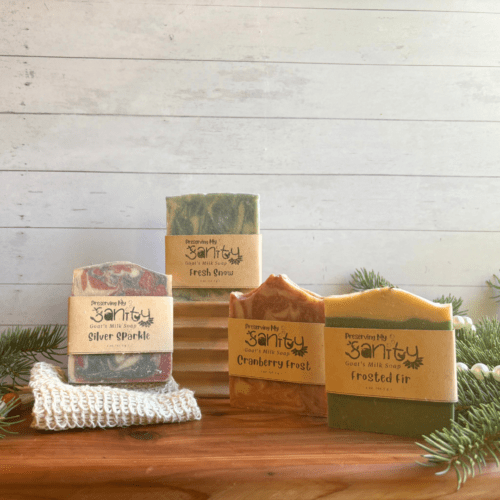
(119, 279)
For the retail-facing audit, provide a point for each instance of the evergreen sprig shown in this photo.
(467, 444)
(19, 348)
(5, 421)
(367, 280)
(474, 393)
(482, 346)
(495, 284)
(475, 436)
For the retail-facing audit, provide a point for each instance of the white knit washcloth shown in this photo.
(59, 406)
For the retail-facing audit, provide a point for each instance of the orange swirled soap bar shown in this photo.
(278, 305)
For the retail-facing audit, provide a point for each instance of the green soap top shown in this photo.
(387, 308)
(205, 294)
(385, 324)
(215, 213)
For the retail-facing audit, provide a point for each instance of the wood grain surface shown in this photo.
(174, 145)
(229, 454)
(443, 6)
(200, 358)
(327, 36)
(232, 89)
(45, 195)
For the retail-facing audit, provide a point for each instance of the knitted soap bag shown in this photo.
(59, 406)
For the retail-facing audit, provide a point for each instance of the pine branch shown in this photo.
(19, 348)
(5, 421)
(483, 346)
(475, 436)
(480, 346)
(467, 444)
(474, 393)
(43, 340)
(495, 284)
(367, 280)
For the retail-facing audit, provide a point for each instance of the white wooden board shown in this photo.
(161, 31)
(39, 199)
(465, 6)
(257, 146)
(308, 257)
(227, 89)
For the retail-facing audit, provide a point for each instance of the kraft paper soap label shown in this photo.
(107, 325)
(214, 261)
(277, 350)
(397, 364)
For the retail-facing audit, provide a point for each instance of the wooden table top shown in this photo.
(228, 454)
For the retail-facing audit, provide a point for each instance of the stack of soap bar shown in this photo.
(119, 279)
(220, 213)
(387, 308)
(279, 299)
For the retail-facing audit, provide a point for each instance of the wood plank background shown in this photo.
(369, 128)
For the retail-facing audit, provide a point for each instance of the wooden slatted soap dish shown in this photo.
(200, 359)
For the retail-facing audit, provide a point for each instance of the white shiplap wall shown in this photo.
(370, 128)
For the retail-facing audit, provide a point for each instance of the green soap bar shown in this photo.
(387, 309)
(388, 416)
(217, 213)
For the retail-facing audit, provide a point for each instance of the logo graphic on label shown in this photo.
(203, 249)
(384, 349)
(122, 313)
(278, 339)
